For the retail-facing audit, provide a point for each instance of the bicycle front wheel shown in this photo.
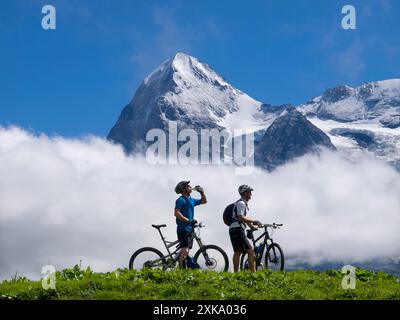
(147, 258)
(274, 258)
(211, 257)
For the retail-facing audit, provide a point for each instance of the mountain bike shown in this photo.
(274, 258)
(209, 257)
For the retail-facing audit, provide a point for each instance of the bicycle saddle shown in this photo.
(158, 226)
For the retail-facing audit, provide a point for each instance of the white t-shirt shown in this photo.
(241, 210)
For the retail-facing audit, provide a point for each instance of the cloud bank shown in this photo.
(65, 200)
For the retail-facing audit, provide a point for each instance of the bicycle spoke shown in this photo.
(146, 259)
(245, 264)
(212, 258)
(274, 259)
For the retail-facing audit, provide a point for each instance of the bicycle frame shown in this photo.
(264, 245)
(169, 244)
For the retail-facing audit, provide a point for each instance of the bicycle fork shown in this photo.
(272, 255)
(204, 252)
(259, 254)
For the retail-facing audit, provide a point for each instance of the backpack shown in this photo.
(228, 216)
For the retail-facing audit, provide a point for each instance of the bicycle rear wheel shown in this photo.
(147, 258)
(212, 257)
(274, 258)
(244, 263)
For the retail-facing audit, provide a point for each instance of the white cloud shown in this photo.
(64, 200)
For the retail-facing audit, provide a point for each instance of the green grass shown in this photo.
(193, 284)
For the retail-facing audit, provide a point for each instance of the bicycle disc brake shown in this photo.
(209, 262)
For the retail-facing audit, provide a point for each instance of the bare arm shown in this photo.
(251, 223)
(203, 198)
(246, 220)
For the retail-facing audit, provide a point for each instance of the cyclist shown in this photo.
(240, 243)
(184, 213)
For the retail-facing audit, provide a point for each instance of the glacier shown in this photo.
(190, 92)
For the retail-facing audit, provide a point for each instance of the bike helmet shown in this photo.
(243, 188)
(181, 186)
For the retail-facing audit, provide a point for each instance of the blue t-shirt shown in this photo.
(186, 207)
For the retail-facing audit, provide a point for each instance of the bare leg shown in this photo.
(252, 261)
(182, 256)
(236, 258)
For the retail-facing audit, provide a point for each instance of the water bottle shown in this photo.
(259, 248)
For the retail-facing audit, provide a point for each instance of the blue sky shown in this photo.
(76, 79)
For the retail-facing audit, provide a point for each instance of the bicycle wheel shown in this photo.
(244, 263)
(212, 257)
(147, 258)
(274, 258)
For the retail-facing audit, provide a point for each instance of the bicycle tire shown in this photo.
(271, 249)
(210, 247)
(243, 266)
(139, 251)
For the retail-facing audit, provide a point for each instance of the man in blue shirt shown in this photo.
(184, 213)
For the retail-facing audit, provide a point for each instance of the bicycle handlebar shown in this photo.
(274, 225)
(199, 225)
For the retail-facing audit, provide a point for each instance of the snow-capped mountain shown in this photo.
(184, 90)
(358, 120)
(373, 102)
(289, 136)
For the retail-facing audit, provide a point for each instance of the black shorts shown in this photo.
(239, 240)
(183, 238)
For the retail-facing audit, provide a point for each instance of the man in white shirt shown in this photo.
(240, 243)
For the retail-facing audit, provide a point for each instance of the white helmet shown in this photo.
(243, 188)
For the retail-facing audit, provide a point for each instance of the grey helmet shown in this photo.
(243, 188)
(181, 186)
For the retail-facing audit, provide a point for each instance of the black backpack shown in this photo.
(228, 214)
